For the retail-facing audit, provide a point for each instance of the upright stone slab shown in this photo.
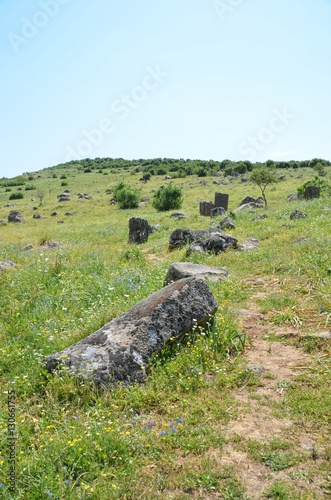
(222, 200)
(120, 350)
(206, 207)
(139, 230)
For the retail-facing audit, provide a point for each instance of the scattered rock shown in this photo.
(6, 264)
(204, 238)
(298, 214)
(257, 370)
(120, 350)
(294, 197)
(53, 214)
(27, 248)
(51, 244)
(217, 211)
(84, 196)
(248, 245)
(139, 230)
(15, 216)
(36, 216)
(178, 215)
(69, 214)
(206, 207)
(260, 217)
(168, 177)
(11, 205)
(248, 199)
(226, 223)
(180, 270)
(153, 228)
(312, 192)
(144, 199)
(60, 222)
(64, 197)
(247, 206)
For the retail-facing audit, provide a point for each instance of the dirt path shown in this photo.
(276, 364)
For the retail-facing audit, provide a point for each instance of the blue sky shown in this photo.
(238, 79)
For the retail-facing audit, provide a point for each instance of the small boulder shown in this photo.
(178, 215)
(15, 216)
(248, 199)
(298, 214)
(217, 211)
(6, 264)
(36, 216)
(226, 223)
(27, 248)
(248, 245)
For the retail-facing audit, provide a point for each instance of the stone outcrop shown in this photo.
(180, 270)
(226, 223)
(119, 351)
(217, 211)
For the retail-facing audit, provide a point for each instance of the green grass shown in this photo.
(75, 442)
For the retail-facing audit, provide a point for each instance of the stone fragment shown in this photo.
(248, 245)
(139, 230)
(298, 214)
(15, 216)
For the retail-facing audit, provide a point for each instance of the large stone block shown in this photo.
(120, 350)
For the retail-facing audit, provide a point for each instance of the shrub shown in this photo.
(30, 188)
(168, 198)
(64, 183)
(126, 196)
(63, 176)
(202, 172)
(16, 196)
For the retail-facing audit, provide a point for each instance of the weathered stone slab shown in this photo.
(15, 216)
(222, 200)
(180, 237)
(180, 270)
(298, 214)
(120, 350)
(206, 207)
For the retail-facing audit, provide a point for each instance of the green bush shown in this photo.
(16, 196)
(126, 196)
(64, 183)
(168, 198)
(30, 188)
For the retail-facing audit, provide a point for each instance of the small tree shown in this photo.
(168, 198)
(262, 177)
(41, 196)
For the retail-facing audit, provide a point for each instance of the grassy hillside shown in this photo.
(159, 440)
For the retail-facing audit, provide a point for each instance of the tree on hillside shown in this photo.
(262, 177)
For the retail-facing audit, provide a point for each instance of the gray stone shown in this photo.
(204, 238)
(226, 223)
(53, 214)
(154, 228)
(312, 192)
(257, 370)
(6, 264)
(144, 199)
(294, 197)
(248, 245)
(139, 230)
(261, 217)
(179, 270)
(84, 196)
(27, 248)
(120, 350)
(69, 214)
(36, 216)
(60, 222)
(206, 207)
(246, 206)
(217, 211)
(178, 215)
(52, 244)
(248, 199)
(298, 214)
(15, 216)
(222, 200)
